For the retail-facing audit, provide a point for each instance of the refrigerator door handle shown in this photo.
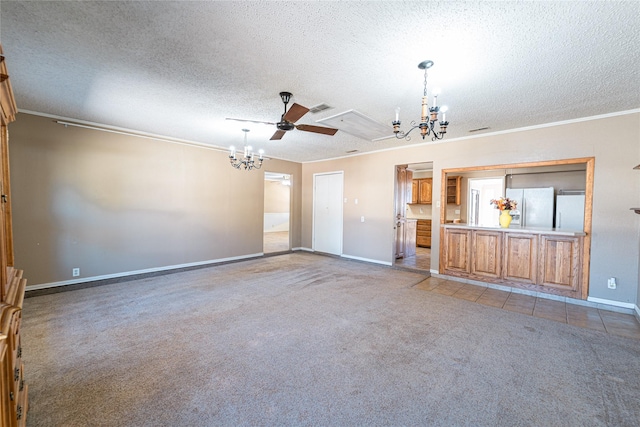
(523, 215)
(559, 224)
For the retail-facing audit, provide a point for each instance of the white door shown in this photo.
(327, 212)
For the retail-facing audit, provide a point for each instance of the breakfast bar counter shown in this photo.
(539, 259)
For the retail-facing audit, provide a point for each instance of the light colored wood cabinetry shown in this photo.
(520, 255)
(548, 262)
(456, 251)
(453, 190)
(559, 262)
(486, 257)
(423, 237)
(13, 390)
(422, 191)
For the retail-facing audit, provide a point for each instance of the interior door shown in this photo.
(327, 212)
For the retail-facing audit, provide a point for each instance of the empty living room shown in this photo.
(385, 213)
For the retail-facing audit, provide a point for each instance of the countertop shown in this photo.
(518, 229)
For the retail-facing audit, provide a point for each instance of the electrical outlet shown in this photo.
(612, 283)
(75, 272)
(361, 219)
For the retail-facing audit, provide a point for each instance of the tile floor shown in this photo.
(421, 261)
(615, 323)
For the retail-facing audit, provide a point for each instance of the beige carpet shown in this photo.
(302, 339)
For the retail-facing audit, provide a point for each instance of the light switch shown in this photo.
(355, 201)
(361, 219)
(345, 200)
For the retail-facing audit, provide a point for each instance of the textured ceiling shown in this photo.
(177, 69)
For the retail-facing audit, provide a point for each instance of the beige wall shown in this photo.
(276, 197)
(613, 141)
(109, 203)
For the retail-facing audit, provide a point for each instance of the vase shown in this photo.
(505, 218)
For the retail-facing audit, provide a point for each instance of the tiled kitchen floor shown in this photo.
(615, 323)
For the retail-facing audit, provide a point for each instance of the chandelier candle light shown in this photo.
(429, 116)
(247, 162)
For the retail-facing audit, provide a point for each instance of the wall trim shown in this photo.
(373, 261)
(612, 302)
(638, 313)
(483, 135)
(303, 249)
(144, 271)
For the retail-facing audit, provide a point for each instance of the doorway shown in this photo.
(413, 202)
(277, 210)
(327, 212)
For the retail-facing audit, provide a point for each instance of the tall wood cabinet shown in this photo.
(13, 389)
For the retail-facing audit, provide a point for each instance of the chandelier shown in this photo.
(247, 162)
(429, 116)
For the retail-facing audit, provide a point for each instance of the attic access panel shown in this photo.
(357, 124)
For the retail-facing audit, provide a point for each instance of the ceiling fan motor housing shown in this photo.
(285, 125)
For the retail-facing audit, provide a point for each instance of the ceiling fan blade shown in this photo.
(317, 129)
(278, 135)
(295, 112)
(251, 121)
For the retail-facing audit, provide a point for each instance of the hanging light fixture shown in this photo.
(248, 161)
(429, 116)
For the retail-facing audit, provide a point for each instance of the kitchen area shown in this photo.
(549, 221)
(546, 246)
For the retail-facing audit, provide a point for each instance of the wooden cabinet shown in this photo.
(13, 390)
(486, 258)
(423, 236)
(457, 256)
(520, 255)
(453, 190)
(542, 261)
(559, 262)
(422, 191)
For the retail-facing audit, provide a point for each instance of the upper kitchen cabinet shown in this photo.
(422, 191)
(453, 190)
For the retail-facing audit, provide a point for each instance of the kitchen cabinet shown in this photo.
(453, 190)
(423, 237)
(547, 261)
(456, 253)
(422, 191)
(520, 257)
(559, 262)
(486, 259)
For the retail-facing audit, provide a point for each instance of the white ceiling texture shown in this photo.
(178, 69)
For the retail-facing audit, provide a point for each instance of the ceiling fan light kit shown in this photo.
(428, 117)
(248, 161)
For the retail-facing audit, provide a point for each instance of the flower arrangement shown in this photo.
(504, 203)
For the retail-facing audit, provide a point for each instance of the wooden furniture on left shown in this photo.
(13, 390)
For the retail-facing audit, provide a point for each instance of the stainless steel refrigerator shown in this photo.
(535, 206)
(570, 211)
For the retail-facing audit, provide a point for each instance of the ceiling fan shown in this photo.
(288, 119)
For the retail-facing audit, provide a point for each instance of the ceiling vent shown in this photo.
(351, 151)
(320, 107)
(479, 129)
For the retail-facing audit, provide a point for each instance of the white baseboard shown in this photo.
(434, 272)
(133, 273)
(374, 261)
(303, 249)
(638, 312)
(613, 303)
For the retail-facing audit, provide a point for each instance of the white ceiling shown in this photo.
(177, 69)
